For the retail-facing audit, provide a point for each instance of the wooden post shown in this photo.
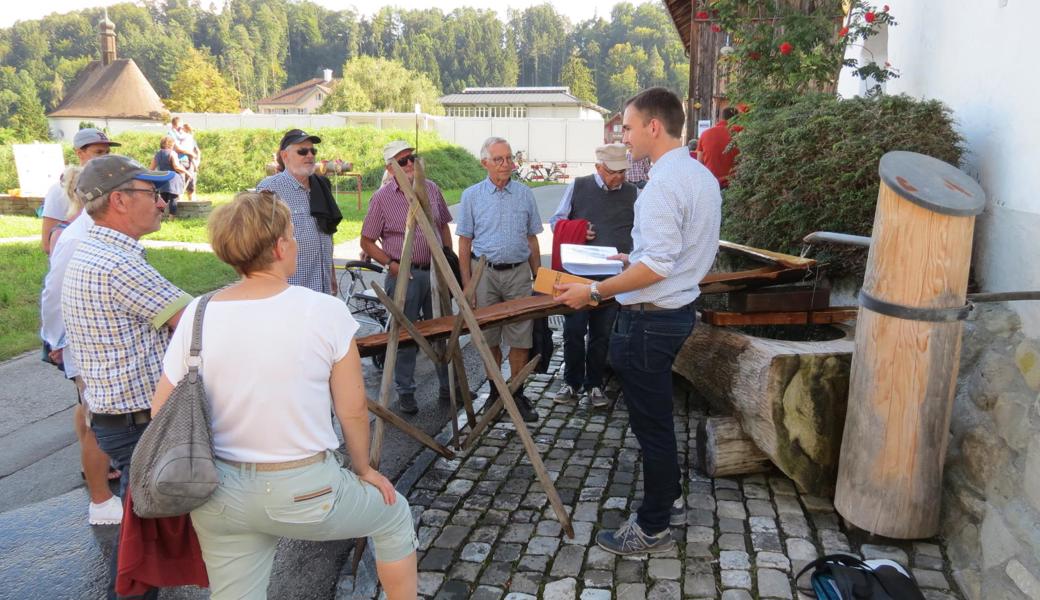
(904, 367)
(724, 449)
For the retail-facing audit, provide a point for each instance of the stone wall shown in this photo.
(19, 205)
(991, 508)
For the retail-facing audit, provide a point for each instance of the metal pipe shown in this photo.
(830, 237)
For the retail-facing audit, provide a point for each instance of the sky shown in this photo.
(576, 10)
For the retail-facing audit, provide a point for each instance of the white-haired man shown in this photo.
(498, 220)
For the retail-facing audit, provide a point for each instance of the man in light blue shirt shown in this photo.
(498, 220)
(674, 242)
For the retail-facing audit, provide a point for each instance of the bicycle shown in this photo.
(371, 315)
(553, 172)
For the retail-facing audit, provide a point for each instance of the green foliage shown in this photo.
(794, 51)
(262, 46)
(234, 159)
(812, 166)
(388, 85)
(578, 77)
(199, 87)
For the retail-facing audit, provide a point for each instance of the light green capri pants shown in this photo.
(240, 525)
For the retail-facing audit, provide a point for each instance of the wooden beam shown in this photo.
(826, 316)
(417, 434)
(408, 326)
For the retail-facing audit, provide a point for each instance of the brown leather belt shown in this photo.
(649, 307)
(279, 466)
(121, 420)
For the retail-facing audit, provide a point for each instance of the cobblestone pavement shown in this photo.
(486, 530)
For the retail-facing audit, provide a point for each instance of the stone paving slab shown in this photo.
(487, 531)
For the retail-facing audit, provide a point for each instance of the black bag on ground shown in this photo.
(844, 577)
(172, 471)
(542, 343)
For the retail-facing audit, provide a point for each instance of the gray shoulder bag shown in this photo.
(172, 471)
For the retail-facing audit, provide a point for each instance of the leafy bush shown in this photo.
(813, 166)
(234, 159)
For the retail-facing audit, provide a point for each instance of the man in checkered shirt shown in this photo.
(382, 238)
(118, 310)
(297, 156)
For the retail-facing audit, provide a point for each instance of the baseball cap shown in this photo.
(88, 136)
(106, 173)
(394, 148)
(613, 156)
(295, 136)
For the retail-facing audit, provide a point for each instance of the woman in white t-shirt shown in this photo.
(275, 360)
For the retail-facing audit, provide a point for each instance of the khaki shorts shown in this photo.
(499, 286)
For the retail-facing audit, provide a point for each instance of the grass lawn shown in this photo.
(16, 226)
(22, 267)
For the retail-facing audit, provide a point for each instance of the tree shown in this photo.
(346, 96)
(623, 85)
(199, 87)
(578, 77)
(388, 85)
(27, 119)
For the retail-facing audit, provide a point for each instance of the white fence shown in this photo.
(567, 140)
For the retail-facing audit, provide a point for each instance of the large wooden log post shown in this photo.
(908, 341)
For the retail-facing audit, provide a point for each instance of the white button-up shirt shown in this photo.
(676, 232)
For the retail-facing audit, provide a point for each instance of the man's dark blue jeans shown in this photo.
(118, 443)
(643, 346)
(584, 367)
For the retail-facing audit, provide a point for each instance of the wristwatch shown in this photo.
(594, 293)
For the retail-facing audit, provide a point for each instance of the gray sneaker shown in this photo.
(407, 403)
(597, 398)
(566, 395)
(631, 539)
(677, 514)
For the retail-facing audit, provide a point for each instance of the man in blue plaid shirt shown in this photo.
(118, 310)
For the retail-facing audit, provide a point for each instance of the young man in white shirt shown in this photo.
(675, 239)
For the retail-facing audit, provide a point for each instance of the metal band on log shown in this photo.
(904, 368)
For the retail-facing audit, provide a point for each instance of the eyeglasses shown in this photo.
(498, 161)
(407, 159)
(156, 195)
(613, 172)
(305, 151)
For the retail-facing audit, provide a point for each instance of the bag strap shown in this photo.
(194, 361)
(840, 559)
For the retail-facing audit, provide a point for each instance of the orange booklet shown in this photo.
(547, 278)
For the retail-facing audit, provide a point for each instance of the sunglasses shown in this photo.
(155, 194)
(407, 159)
(306, 151)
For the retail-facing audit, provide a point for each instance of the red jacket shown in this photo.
(712, 148)
(567, 231)
(157, 553)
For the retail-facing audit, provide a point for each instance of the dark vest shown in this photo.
(610, 212)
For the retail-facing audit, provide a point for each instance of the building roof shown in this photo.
(519, 96)
(681, 12)
(117, 90)
(297, 93)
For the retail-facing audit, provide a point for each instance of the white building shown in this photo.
(301, 99)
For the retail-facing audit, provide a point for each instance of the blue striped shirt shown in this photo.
(499, 220)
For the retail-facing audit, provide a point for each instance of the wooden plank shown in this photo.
(417, 434)
(827, 316)
(778, 258)
(781, 298)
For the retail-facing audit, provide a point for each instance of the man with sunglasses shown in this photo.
(382, 238)
(295, 186)
(118, 310)
(605, 201)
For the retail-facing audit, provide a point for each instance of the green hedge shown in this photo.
(813, 166)
(234, 159)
